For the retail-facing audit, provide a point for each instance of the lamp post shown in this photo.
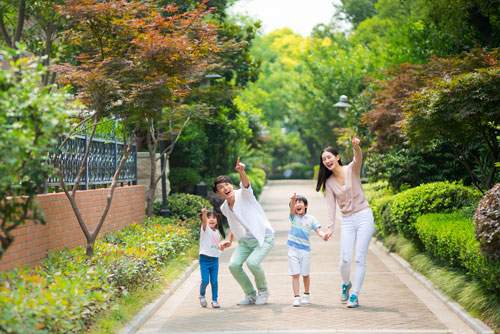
(164, 212)
(342, 105)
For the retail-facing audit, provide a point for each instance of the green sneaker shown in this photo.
(353, 302)
(344, 296)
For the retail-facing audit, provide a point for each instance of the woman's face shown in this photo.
(330, 161)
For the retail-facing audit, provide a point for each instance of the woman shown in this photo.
(342, 185)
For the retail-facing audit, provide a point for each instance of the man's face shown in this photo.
(225, 190)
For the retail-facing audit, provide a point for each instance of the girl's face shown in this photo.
(212, 222)
(329, 160)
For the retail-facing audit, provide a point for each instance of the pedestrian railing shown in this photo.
(101, 164)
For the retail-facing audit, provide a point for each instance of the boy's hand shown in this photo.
(240, 167)
(294, 197)
(327, 235)
(355, 142)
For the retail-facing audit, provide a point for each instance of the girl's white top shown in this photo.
(209, 242)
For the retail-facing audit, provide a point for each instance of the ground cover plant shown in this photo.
(67, 291)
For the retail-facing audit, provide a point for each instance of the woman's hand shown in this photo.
(355, 142)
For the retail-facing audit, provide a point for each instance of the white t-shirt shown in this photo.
(247, 216)
(209, 242)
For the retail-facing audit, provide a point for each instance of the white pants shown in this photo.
(355, 228)
(299, 261)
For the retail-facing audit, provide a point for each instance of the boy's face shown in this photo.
(225, 190)
(300, 208)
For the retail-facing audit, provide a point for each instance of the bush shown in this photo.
(68, 289)
(186, 206)
(298, 171)
(450, 238)
(487, 223)
(183, 180)
(381, 207)
(408, 205)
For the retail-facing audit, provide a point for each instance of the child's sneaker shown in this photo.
(262, 297)
(353, 302)
(296, 301)
(248, 300)
(203, 301)
(215, 305)
(306, 299)
(344, 295)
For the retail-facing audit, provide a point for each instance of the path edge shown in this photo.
(147, 311)
(476, 324)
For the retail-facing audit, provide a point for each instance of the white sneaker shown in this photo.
(296, 301)
(215, 305)
(248, 300)
(262, 298)
(203, 301)
(306, 299)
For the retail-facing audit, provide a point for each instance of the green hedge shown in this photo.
(451, 239)
(183, 180)
(435, 197)
(67, 290)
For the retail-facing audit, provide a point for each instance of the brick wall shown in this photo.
(62, 229)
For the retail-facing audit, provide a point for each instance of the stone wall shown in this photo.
(143, 173)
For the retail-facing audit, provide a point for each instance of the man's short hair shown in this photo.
(220, 179)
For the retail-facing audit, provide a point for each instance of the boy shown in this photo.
(299, 250)
(249, 225)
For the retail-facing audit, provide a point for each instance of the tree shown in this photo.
(31, 120)
(136, 62)
(38, 25)
(464, 111)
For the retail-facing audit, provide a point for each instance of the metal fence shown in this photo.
(101, 164)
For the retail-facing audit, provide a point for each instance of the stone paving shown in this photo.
(391, 300)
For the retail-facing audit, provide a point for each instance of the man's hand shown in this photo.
(240, 167)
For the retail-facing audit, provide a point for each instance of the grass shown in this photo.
(469, 293)
(126, 307)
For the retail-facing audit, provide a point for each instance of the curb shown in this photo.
(148, 310)
(477, 325)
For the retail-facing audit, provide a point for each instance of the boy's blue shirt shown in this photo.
(300, 230)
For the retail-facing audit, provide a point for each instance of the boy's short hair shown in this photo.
(302, 199)
(220, 179)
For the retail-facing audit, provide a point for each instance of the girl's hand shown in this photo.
(240, 167)
(355, 142)
(204, 211)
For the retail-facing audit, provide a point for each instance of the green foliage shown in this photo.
(487, 223)
(183, 180)
(32, 118)
(68, 289)
(380, 197)
(298, 171)
(408, 205)
(450, 238)
(460, 110)
(257, 178)
(186, 206)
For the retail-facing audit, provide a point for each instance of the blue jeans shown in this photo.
(209, 267)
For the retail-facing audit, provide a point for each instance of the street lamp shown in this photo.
(342, 105)
(164, 212)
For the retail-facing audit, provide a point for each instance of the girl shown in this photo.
(209, 253)
(343, 187)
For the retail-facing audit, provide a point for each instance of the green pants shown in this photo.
(249, 250)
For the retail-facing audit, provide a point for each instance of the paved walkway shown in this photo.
(391, 300)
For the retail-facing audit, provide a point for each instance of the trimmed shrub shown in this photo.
(435, 197)
(487, 223)
(450, 238)
(186, 206)
(381, 207)
(183, 180)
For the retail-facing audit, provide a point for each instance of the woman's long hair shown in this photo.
(323, 172)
